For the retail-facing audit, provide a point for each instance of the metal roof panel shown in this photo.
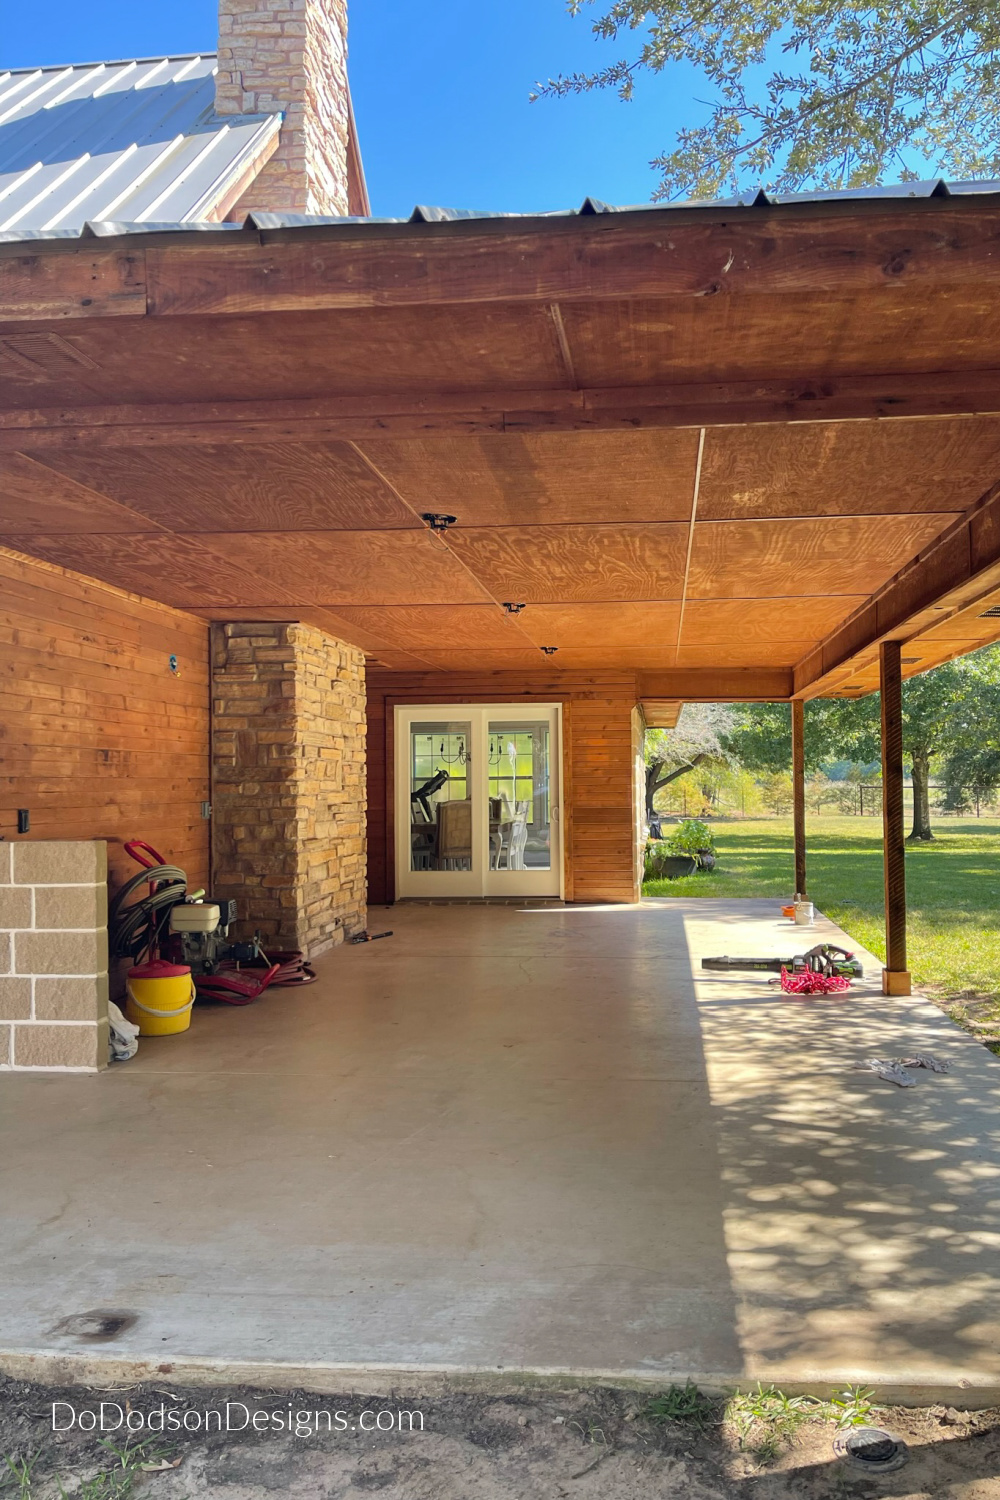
(117, 141)
(135, 147)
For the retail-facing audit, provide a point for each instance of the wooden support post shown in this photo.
(895, 975)
(799, 793)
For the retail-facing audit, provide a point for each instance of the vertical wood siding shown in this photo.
(98, 737)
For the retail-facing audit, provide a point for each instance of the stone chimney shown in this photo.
(290, 55)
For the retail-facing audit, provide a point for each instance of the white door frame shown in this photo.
(480, 880)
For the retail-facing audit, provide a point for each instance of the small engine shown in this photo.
(199, 936)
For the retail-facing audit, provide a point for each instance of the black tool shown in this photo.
(825, 958)
(428, 789)
(369, 937)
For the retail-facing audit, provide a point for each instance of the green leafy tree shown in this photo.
(953, 710)
(970, 766)
(930, 705)
(776, 792)
(761, 736)
(812, 92)
(693, 743)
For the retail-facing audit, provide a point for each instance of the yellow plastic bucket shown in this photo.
(159, 998)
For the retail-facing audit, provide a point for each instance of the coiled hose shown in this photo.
(140, 927)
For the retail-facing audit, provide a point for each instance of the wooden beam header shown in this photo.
(765, 251)
(615, 409)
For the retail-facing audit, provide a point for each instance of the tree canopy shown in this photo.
(970, 766)
(696, 739)
(822, 93)
(952, 713)
(761, 734)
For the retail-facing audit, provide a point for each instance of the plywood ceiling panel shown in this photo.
(35, 499)
(167, 568)
(721, 622)
(837, 468)
(782, 559)
(455, 659)
(354, 567)
(743, 337)
(352, 352)
(545, 478)
(322, 619)
(439, 627)
(302, 486)
(586, 626)
(636, 658)
(557, 564)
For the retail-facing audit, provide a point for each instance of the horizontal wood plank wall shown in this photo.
(598, 780)
(98, 737)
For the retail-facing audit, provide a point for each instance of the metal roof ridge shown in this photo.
(111, 62)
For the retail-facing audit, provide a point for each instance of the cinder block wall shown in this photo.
(289, 784)
(54, 954)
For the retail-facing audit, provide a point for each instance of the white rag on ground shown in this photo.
(123, 1037)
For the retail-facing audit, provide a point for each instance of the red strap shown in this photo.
(809, 983)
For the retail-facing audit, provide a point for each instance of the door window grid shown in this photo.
(519, 761)
(440, 749)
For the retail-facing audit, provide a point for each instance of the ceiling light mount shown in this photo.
(512, 609)
(436, 521)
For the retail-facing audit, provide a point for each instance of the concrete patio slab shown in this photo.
(507, 1144)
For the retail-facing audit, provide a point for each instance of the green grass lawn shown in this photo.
(953, 890)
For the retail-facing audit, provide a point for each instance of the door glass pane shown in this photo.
(520, 818)
(440, 796)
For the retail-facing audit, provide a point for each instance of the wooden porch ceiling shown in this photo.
(727, 453)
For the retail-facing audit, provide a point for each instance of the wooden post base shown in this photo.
(896, 982)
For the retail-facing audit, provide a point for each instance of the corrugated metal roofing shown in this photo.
(136, 141)
(423, 214)
(110, 149)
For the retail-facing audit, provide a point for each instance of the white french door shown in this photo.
(477, 800)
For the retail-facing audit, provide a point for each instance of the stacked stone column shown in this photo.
(290, 55)
(288, 815)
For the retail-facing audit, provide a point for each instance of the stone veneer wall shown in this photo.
(54, 954)
(289, 787)
(290, 55)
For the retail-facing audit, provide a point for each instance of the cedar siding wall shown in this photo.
(98, 738)
(598, 800)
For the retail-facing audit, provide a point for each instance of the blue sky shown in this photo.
(440, 92)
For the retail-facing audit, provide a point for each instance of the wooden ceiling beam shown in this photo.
(958, 567)
(37, 285)
(717, 684)
(715, 404)
(648, 255)
(805, 248)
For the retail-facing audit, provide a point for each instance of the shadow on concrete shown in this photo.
(486, 1144)
(863, 1221)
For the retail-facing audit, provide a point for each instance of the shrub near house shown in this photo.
(690, 847)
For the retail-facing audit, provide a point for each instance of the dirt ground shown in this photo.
(583, 1444)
